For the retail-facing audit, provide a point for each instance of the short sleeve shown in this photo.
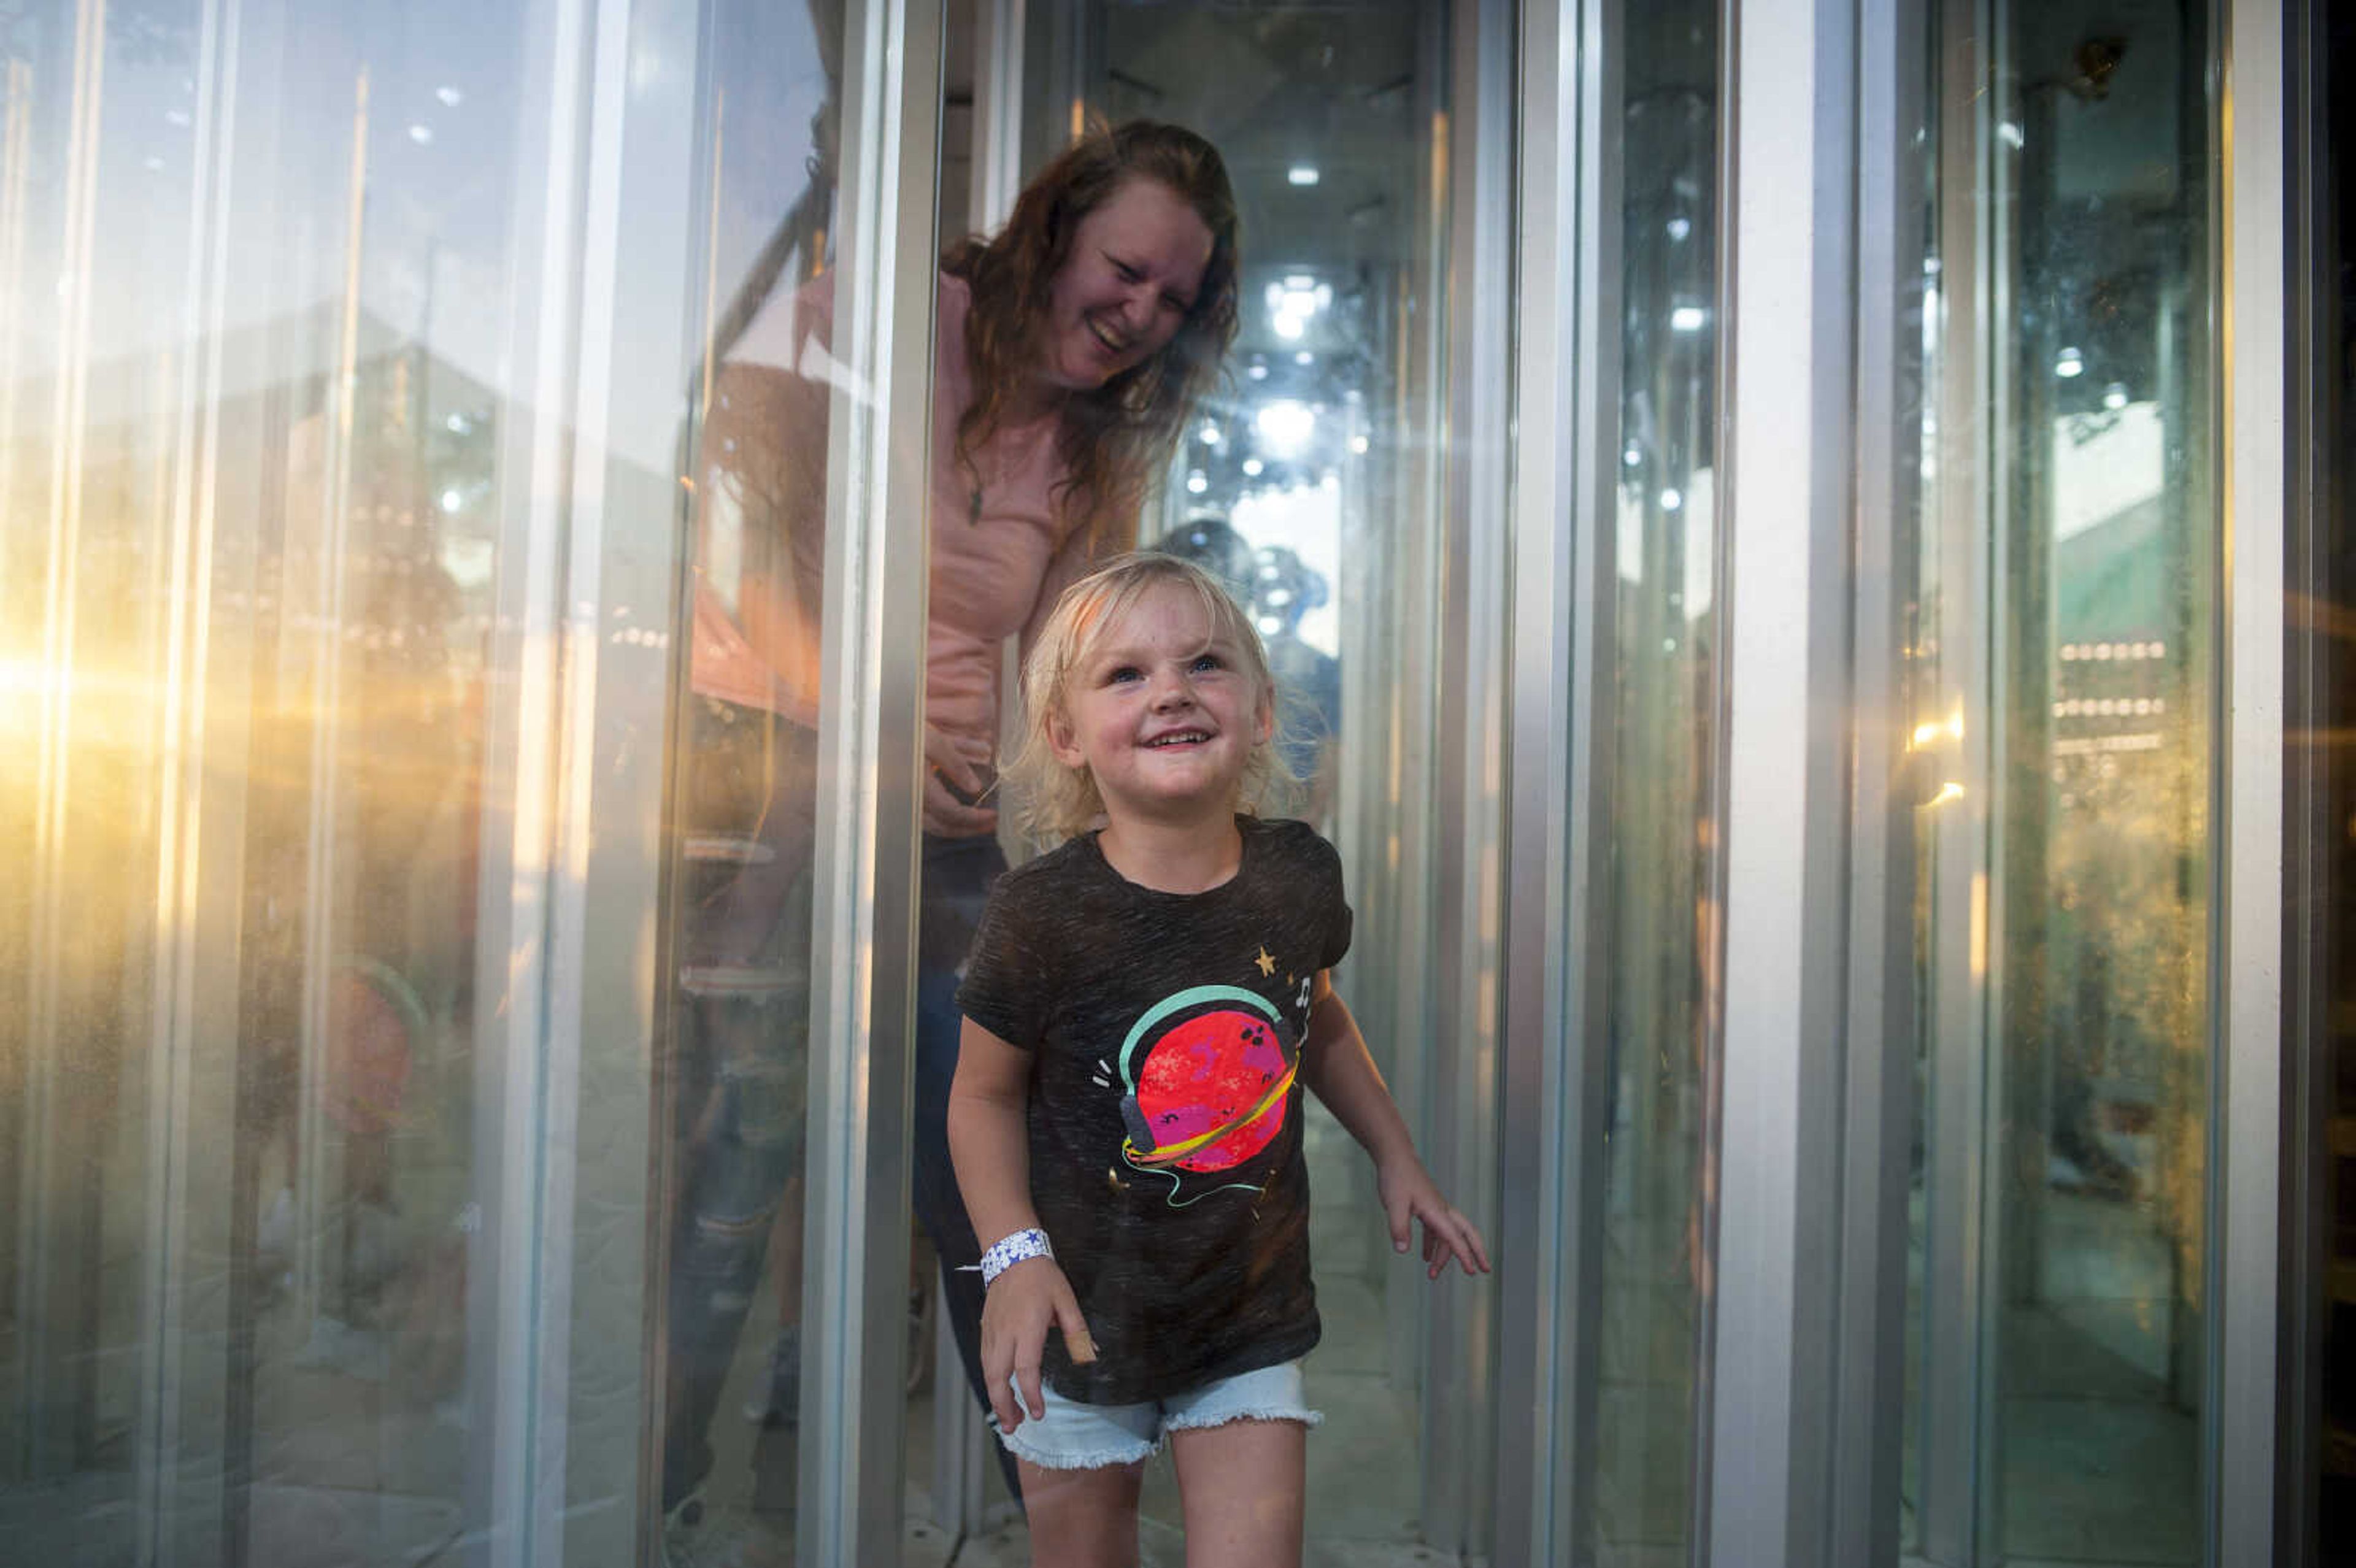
(1005, 979)
(1338, 918)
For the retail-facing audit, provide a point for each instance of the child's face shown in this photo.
(1164, 711)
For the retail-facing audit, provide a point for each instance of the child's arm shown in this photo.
(1335, 1066)
(990, 1146)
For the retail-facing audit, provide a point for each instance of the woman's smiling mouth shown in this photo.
(1113, 343)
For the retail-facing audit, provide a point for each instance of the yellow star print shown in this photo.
(1267, 963)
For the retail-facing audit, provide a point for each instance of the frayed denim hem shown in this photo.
(1203, 1422)
(1132, 1453)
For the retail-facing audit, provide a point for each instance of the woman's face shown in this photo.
(1125, 287)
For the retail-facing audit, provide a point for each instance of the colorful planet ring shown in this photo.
(1205, 1092)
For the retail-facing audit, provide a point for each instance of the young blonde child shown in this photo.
(1143, 1006)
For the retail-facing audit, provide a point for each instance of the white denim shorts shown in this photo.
(1077, 1436)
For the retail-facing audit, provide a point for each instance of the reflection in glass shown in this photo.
(1663, 848)
(1295, 485)
(2075, 866)
(253, 529)
(2319, 849)
(736, 1062)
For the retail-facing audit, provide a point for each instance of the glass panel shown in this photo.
(346, 356)
(251, 472)
(2319, 849)
(1299, 483)
(745, 806)
(2068, 772)
(1663, 794)
(1293, 489)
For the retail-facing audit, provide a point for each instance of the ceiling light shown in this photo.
(1688, 318)
(1285, 425)
(1302, 174)
(1252, 467)
(2069, 364)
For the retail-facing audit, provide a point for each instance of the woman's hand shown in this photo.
(1021, 1305)
(950, 788)
(1408, 1194)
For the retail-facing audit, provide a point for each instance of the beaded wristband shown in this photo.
(1005, 1253)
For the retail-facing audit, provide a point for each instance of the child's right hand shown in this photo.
(1020, 1306)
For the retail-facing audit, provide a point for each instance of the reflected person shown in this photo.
(1284, 588)
(1277, 589)
(1071, 347)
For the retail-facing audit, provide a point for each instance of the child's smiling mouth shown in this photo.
(1179, 738)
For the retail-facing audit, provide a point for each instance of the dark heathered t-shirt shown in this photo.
(1166, 1163)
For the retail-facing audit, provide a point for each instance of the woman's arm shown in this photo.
(990, 1146)
(1336, 1067)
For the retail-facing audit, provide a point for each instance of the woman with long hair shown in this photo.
(1070, 348)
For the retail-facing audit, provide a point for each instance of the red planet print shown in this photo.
(1215, 1069)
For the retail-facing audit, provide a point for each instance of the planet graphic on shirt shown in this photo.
(1209, 1081)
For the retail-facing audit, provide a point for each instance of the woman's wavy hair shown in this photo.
(1055, 802)
(1116, 438)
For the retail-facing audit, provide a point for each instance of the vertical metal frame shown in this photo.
(184, 1512)
(539, 930)
(603, 1129)
(1788, 448)
(1001, 27)
(1554, 1041)
(1870, 1367)
(2313, 321)
(2246, 1127)
(863, 968)
(1957, 1180)
(1391, 672)
(962, 1441)
(1461, 1082)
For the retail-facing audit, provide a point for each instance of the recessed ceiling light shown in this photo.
(1302, 174)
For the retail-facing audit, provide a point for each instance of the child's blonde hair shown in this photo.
(1055, 802)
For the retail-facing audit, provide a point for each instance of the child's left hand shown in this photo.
(1409, 1194)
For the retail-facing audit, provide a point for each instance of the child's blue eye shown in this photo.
(1206, 661)
(1124, 672)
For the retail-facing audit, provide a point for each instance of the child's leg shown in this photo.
(1082, 1518)
(1241, 1487)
